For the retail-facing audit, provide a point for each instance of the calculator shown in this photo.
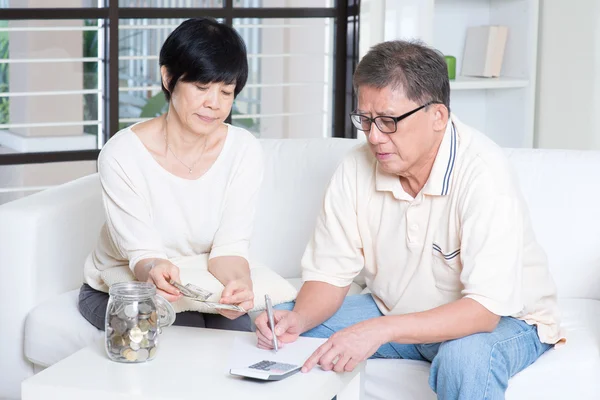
(267, 370)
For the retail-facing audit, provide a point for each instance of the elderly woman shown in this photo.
(184, 183)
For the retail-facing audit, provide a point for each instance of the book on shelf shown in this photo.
(484, 51)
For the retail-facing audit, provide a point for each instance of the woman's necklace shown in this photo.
(189, 167)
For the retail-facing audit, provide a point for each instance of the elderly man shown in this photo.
(431, 213)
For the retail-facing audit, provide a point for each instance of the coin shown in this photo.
(131, 310)
(142, 355)
(145, 308)
(152, 352)
(145, 343)
(130, 355)
(153, 318)
(144, 326)
(117, 341)
(118, 325)
(136, 335)
(134, 346)
(131, 323)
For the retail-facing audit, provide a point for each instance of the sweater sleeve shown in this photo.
(128, 214)
(232, 238)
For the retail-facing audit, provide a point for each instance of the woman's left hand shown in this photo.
(238, 292)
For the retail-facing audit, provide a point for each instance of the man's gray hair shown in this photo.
(411, 66)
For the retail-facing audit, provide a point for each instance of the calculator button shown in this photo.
(263, 365)
(282, 366)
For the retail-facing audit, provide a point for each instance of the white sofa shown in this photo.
(44, 239)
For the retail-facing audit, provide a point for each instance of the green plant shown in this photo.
(4, 101)
(155, 106)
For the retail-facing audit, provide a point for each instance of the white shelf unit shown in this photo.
(502, 108)
(474, 83)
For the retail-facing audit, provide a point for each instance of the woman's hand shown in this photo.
(238, 292)
(159, 272)
(234, 273)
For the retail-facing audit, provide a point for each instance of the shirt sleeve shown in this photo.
(232, 238)
(128, 215)
(334, 253)
(492, 244)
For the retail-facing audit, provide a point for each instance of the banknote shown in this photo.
(196, 293)
(192, 291)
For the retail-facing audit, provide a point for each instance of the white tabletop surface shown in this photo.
(191, 363)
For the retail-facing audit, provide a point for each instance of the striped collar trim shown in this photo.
(440, 179)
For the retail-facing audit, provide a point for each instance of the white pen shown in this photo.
(271, 320)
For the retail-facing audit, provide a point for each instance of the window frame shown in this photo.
(344, 62)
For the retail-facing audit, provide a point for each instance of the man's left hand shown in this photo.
(238, 292)
(345, 349)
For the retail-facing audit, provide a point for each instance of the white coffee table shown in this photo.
(191, 364)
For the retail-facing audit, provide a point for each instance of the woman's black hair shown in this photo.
(204, 50)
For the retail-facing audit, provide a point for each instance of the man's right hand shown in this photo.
(159, 272)
(288, 326)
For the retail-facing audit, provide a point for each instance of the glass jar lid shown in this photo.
(133, 290)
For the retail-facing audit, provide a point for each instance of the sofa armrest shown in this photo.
(44, 240)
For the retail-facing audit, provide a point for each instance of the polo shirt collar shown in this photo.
(440, 179)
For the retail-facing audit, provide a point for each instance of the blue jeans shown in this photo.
(474, 367)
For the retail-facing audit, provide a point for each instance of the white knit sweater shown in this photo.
(151, 213)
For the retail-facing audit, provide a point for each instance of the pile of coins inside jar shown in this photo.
(132, 331)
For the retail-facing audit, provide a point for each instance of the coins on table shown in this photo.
(131, 331)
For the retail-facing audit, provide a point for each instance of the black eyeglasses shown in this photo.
(384, 123)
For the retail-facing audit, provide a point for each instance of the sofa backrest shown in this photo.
(297, 172)
(49, 234)
(563, 194)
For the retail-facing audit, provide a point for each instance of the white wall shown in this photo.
(569, 75)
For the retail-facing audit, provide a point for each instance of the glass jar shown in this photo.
(134, 318)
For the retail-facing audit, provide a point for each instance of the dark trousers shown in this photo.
(92, 305)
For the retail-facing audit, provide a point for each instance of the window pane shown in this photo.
(49, 89)
(48, 3)
(283, 3)
(172, 3)
(18, 181)
(289, 90)
(140, 95)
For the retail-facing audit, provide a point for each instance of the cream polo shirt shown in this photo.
(467, 233)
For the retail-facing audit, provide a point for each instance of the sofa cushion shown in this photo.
(573, 369)
(55, 329)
